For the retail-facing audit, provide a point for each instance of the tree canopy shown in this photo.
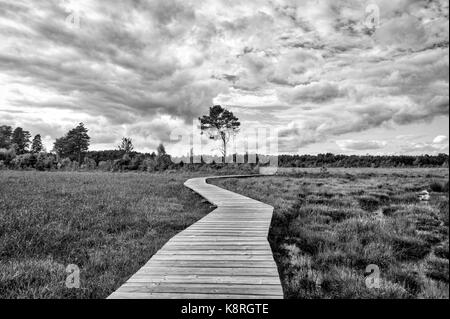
(220, 124)
(5, 136)
(21, 140)
(36, 145)
(126, 145)
(74, 144)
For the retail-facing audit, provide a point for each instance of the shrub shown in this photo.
(163, 162)
(105, 165)
(89, 163)
(391, 210)
(65, 163)
(136, 162)
(438, 187)
(2, 165)
(121, 164)
(369, 203)
(24, 161)
(7, 155)
(149, 165)
(45, 162)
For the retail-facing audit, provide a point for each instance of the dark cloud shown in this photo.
(310, 68)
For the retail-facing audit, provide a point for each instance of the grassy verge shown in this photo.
(107, 224)
(329, 226)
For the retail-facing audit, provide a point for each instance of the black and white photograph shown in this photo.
(223, 154)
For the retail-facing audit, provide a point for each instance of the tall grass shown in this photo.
(107, 224)
(327, 229)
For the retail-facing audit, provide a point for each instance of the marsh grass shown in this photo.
(108, 224)
(327, 228)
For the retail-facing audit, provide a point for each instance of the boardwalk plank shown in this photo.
(225, 255)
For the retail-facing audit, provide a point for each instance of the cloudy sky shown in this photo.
(329, 76)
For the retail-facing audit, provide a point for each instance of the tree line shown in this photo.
(71, 151)
(19, 140)
(336, 160)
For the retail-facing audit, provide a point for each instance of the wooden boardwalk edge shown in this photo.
(225, 255)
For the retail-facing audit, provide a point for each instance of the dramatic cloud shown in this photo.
(353, 145)
(316, 70)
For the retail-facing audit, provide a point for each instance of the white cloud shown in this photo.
(440, 144)
(360, 145)
(441, 139)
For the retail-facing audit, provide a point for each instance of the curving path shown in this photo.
(225, 255)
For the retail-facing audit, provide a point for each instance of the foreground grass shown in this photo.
(328, 227)
(107, 224)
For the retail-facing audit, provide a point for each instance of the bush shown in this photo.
(163, 162)
(391, 210)
(65, 164)
(369, 203)
(121, 164)
(438, 187)
(149, 165)
(89, 163)
(6, 156)
(105, 165)
(24, 161)
(136, 162)
(45, 162)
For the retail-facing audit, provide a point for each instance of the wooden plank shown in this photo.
(213, 264)
(241, 289)
(229, 252)
(253, 280)
(237, 271)
(219, 257)
(225, 255)
(125, 295)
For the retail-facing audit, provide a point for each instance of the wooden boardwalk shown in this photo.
(225, 255)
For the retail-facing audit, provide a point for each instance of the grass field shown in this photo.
(329, 226)
(107, 224)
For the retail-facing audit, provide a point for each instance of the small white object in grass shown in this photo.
(424, 195)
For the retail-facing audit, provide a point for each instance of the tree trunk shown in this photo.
(224, 149)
